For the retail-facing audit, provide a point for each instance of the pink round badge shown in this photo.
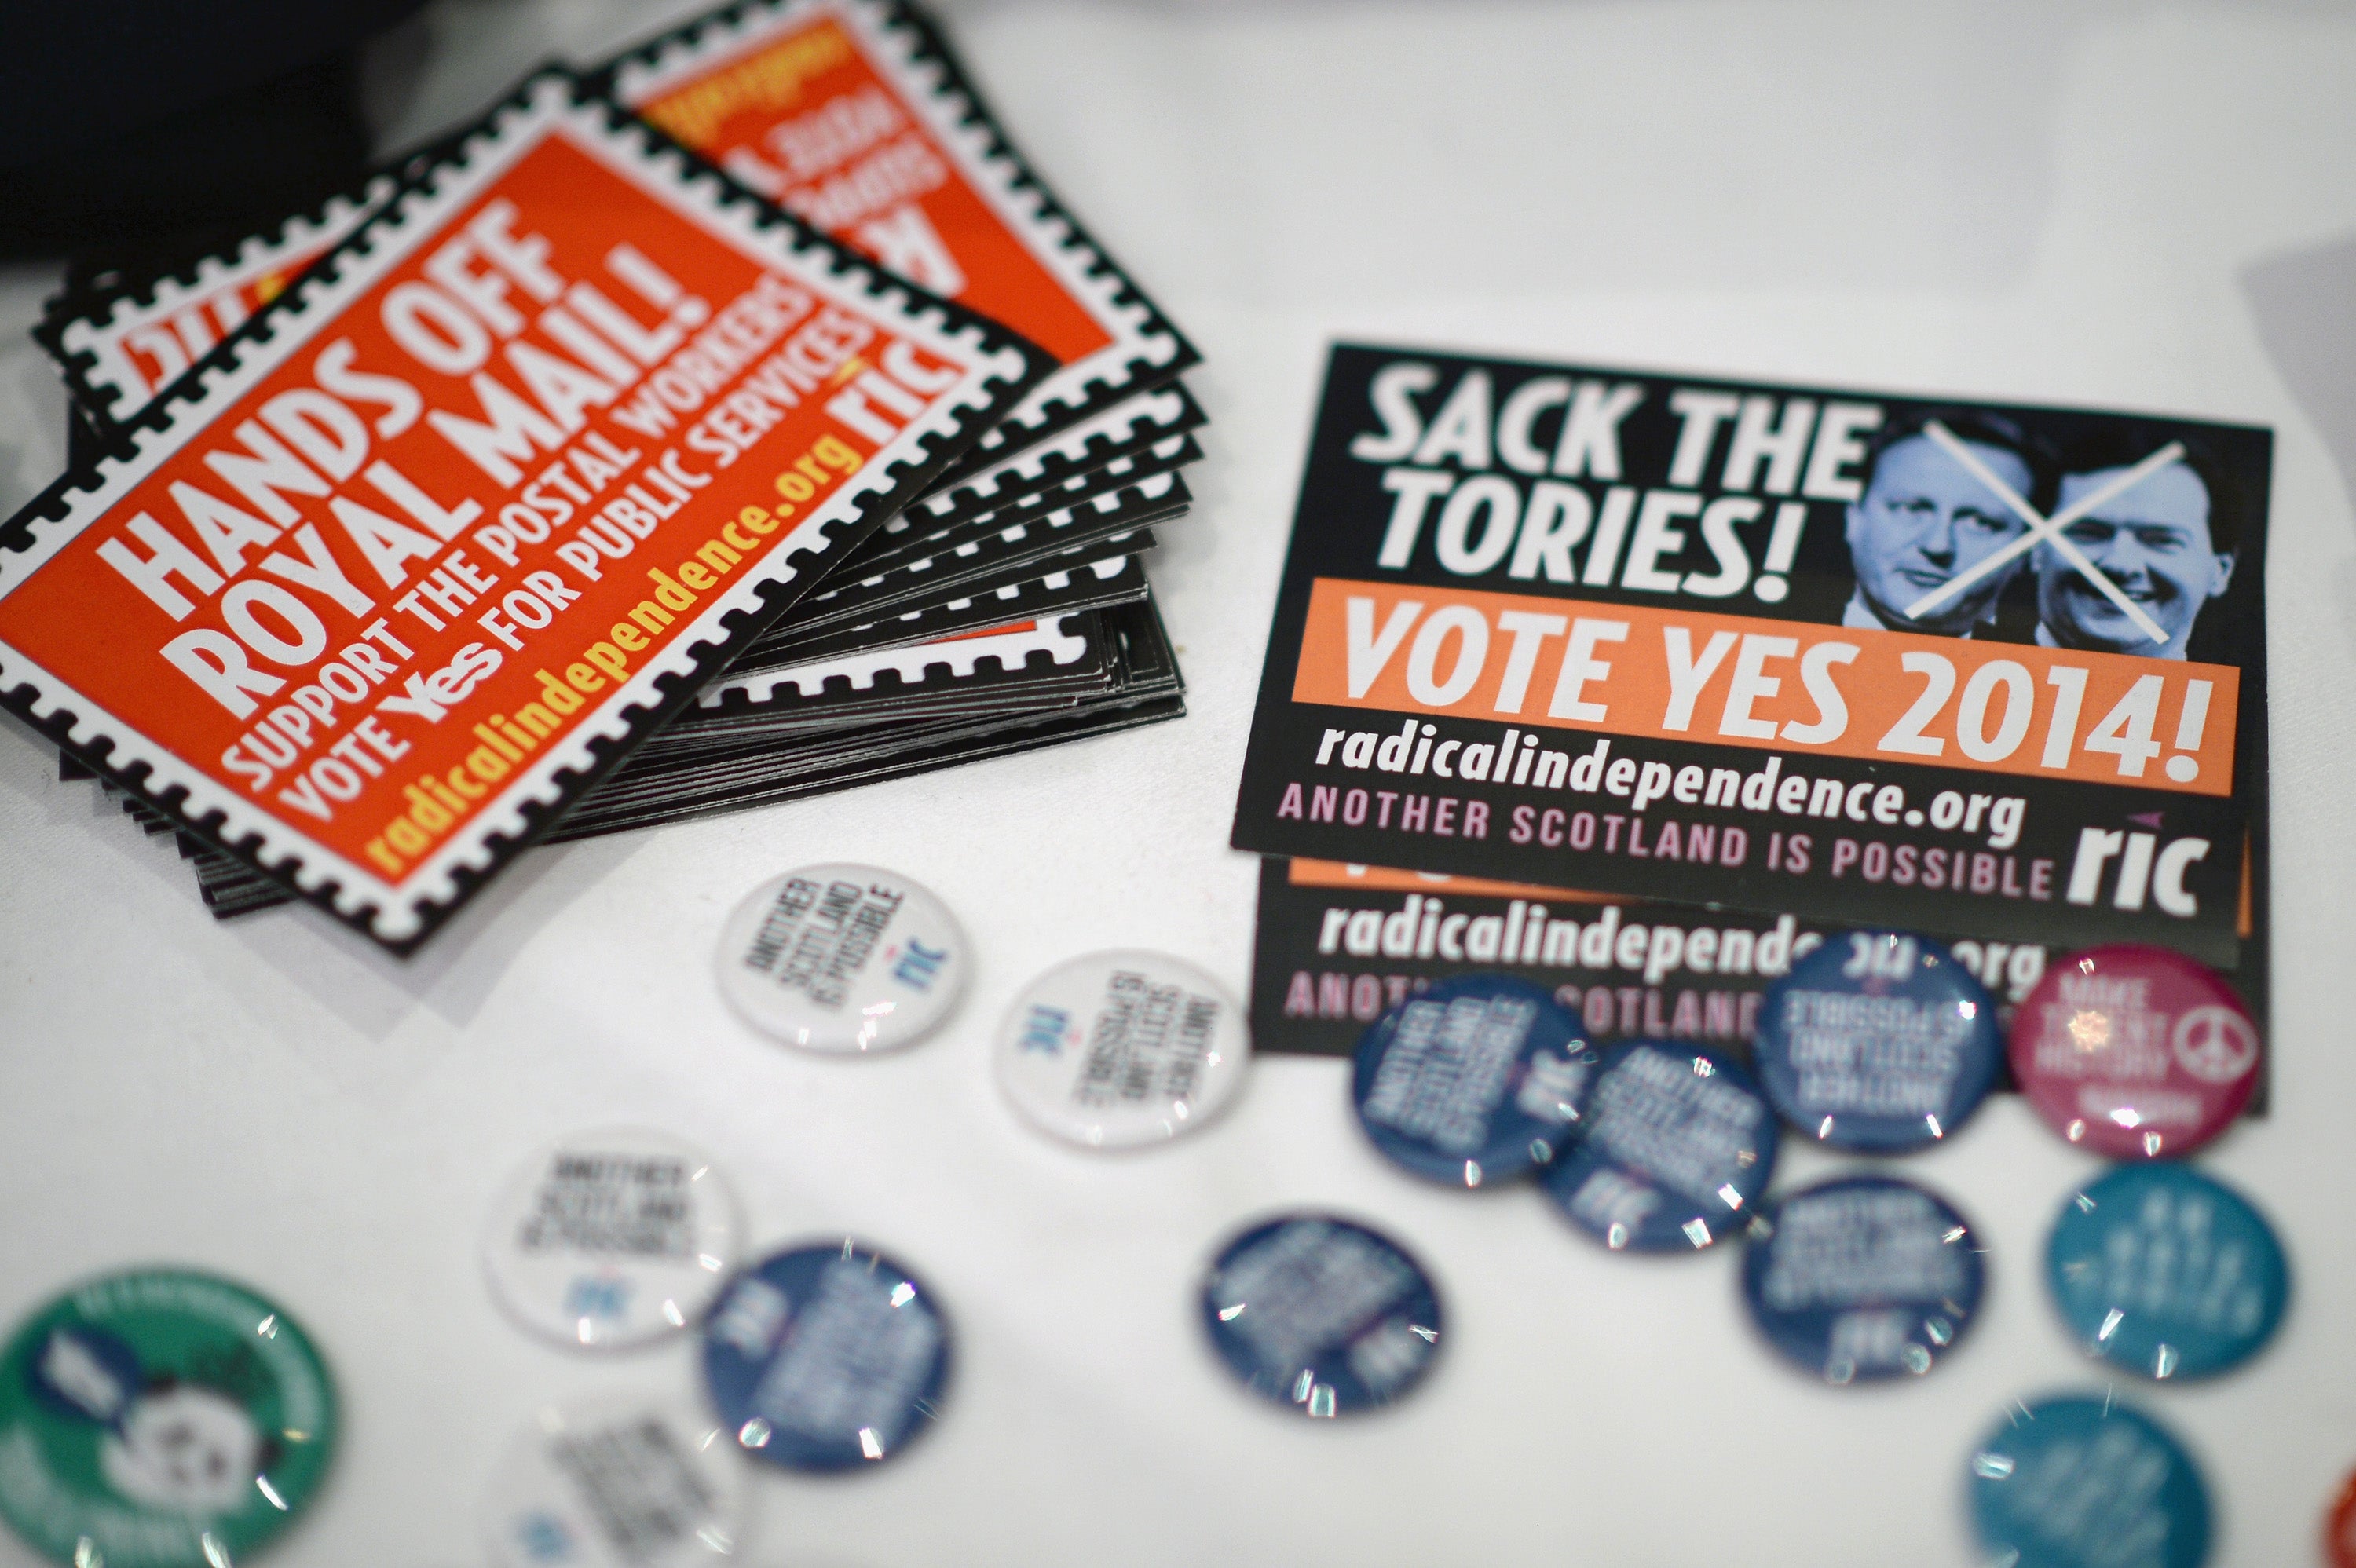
(2134, 1052)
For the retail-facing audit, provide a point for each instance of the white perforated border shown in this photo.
(89, 348)
(1153, 495)
(918, 663)
(1168, 410)
(1166, 457)
(1009, 602)
(549, 104)
(1145, 349)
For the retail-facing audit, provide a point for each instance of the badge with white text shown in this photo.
(2136, 1052)
(826, 1358)
(2085, 1481)
(2167, 1272)
(160, 1419)
(642, 1483)
(1675, 1144)
(841, 959)
(1878, 1042)
(1117, 1049)
(605, 1239)
(1321, 1315)
(1862, 1278)
(1473, 1080)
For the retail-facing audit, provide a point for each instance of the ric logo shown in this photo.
(604, 1298)
(920, 965)
(1044, 1028)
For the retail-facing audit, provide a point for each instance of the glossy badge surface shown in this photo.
(1321, 1315)
(1472, 1081)
(1863, 1277)
(2087, 1482)
(2134, 1052)
(608, 1239)
(1675, 1144)
(629, 1483)
(2163, 1271)
(1878, 1042)
(843, 958)
(826, 1358)
(1118, 1049)
(162, 1419)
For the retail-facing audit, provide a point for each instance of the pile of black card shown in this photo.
(1009, 608)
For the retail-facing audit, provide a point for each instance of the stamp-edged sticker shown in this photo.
(117, 354)
(430, 543)
(851, 115)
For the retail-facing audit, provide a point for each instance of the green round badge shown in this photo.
(158, 1419)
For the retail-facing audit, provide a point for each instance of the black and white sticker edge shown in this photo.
(84, 345)
(1168, 409)
(1009, 601)
(916, 665)
(440, 885)
(1154, 493)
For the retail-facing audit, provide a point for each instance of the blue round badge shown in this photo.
(826, 1358)
(2166, 1272)
(2082, 1482)
(1321, 1315)
(1863, 1277)
(1878, 1042)
(1474, 1080)
(1676, 1142)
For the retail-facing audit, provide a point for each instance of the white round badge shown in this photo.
(1117, 1049)
(644, 1483)
(611, 1238)
(843, 958)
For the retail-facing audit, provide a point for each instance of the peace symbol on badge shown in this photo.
(2216, 1044)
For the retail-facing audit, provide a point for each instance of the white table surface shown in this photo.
(2114, 203)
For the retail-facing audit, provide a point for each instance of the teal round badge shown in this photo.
(2164, 1271)
(2085, 1482)
(160, 1419)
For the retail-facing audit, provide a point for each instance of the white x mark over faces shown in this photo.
(2049, 531)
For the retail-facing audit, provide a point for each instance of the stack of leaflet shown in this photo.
(1006, 608)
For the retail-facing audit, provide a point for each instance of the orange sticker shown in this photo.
(845, 114)
(1787, 686)
(507, 481)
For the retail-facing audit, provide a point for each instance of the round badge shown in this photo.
(826, 1358)
(2087, 1483)
(1862, 1278)
(2134, 1052)
(1117, 1049)
(163, 1418)
(622, 1484)
(610, 1238)
(2163, 1271)
(1878, 1042)
(1322, 1316)
(2340, 1528)
(1474, 1080)
(843, 958)
(1676, 1142)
